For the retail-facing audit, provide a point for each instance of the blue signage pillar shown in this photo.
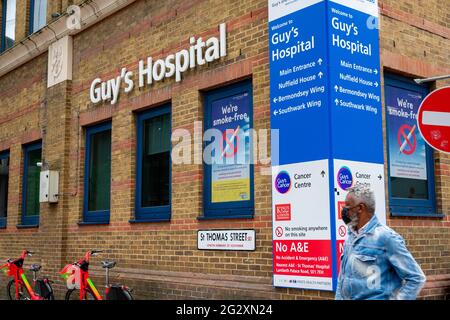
(326, 103)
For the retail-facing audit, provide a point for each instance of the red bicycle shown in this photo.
(19, 288)
(81, 287)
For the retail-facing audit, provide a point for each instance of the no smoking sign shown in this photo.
(279, 232)
(407, 139)
(342, 231)
(231, 140)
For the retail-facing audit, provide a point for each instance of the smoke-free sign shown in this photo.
(407, 153)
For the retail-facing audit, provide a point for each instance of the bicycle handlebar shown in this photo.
(26, 253)
(91, 253)
(95, 252)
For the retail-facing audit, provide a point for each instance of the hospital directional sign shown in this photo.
(434, 119)
(326, 103)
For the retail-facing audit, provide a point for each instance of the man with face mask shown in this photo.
(375, 263)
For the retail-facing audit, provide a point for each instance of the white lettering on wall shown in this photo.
(174, 65)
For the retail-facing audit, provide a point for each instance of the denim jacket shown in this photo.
(376, 264)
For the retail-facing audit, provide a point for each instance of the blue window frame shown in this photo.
(227, 194)
(8, 29)
(411, 180)
(4, 181)
(38, 15)
(30, 184)
(153, 166)
(97, 175)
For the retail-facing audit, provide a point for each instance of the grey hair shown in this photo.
(364, 195)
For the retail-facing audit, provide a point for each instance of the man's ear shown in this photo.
(362, 205)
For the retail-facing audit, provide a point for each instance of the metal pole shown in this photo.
(419, 81)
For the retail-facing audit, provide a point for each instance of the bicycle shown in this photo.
(78, 281)
(20, 285)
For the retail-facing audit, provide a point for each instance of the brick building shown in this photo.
(159, 257)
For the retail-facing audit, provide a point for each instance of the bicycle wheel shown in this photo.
(51, 296)
(74, 294)
(119, 294)
(128, 295)
(11, 291)
(43, 288)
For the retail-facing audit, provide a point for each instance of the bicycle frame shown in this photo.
(94, 290)
(15, 270)
(83, 280)
(77, 277)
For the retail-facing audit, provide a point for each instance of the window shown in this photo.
(8, 24)
(97, 175)
(410, 159)
(30, 188)
(38, 15)
(228, 169)
(4, 177)
(153, 172)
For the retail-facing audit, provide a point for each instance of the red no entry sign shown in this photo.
(434, 119)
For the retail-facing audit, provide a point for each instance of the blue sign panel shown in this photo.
(355, 85)
(325, 102)
(298, 86)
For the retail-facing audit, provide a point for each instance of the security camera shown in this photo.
(39, 164)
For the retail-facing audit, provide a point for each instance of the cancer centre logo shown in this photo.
(345, 178)
(283, 182)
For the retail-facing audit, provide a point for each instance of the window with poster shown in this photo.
(228, 168)
(410, 159)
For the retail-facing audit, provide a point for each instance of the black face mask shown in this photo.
(344, 213)
(345, 217)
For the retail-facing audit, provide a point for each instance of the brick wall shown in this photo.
(22, 19)
(160, 260)
(415, 42)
